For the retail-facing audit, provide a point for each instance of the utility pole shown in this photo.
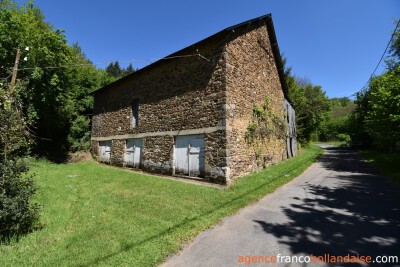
(15, 70)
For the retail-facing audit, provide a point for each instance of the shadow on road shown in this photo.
(358, 213)
(345, 160)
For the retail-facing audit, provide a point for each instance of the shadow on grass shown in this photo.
(357, 214)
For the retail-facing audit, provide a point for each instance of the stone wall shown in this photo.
(158, 154)
(178, 95)
(216, 157)
(175, 94)
(251, 76)
(117, 152)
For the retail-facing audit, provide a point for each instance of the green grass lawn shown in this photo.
(96, 215)
(386, 162)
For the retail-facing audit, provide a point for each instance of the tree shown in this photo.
(129, 70)
(336, 126)
(18, 215)
(383, 115)
(376, 118)
(309, 101)
(393, 61)
(83, 80)
(358, 129)
(43, 91)
(312, 108)
(114, 70)
(55, 82)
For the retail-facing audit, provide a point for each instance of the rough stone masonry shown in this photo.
(205, 91)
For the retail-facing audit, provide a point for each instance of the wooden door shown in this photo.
(133, 152)
(189, 155)
(105, 151)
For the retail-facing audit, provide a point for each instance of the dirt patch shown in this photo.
(80, 156)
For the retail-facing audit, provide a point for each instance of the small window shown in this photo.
(287, 114)
(135, 113)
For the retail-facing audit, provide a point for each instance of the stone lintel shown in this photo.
(170, 133)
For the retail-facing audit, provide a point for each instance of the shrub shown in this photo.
(18, 214)
(344, 138)
(79, 136)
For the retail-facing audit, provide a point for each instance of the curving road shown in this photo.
(340, 206)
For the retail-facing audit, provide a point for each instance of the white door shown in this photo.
(105, 151)
(189, 155)
(133, 152)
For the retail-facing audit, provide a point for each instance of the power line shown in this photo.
(121, 61)
(6, 78)
(106, 63)
(10, 69)
(390, 41)
(380, 60)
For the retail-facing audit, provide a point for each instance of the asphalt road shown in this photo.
(340, 206)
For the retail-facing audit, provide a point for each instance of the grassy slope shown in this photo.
(96, 215)
(386, 162)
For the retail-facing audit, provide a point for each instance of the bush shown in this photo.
(79, 136)
(344, 138)
(17, 214)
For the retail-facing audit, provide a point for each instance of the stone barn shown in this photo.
(214, 110)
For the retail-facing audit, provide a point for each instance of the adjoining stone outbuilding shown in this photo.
(217, 109)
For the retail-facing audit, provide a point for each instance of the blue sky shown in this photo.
(333, 43)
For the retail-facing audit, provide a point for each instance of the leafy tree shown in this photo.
(358, 130)
(376, 118)
(331, 128)
(336, 126)
(82, 81)
(341, 107)
(313, 108)
(18, 214)
(383, 115)
(55, 82)
(311, 105)
(44, 92)
(393, 62)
